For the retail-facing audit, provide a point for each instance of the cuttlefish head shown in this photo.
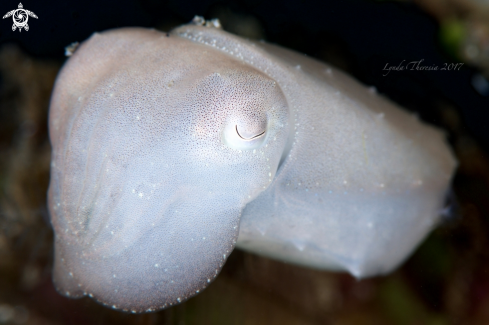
(153, 162)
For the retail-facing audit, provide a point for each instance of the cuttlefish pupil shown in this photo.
(249, 139)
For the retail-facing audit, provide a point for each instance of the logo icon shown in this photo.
(20, 17)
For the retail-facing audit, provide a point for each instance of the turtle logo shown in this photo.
(20, 17)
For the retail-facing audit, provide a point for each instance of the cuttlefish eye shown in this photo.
(245, 136)
(248, 138)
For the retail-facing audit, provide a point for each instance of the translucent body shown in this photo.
(165, 146)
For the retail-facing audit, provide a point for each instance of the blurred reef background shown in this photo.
(446, 280)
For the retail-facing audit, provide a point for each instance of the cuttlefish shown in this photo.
(171, 149)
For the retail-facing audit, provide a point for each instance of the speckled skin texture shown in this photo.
(165, 146)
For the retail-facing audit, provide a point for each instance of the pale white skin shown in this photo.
(166, 147)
